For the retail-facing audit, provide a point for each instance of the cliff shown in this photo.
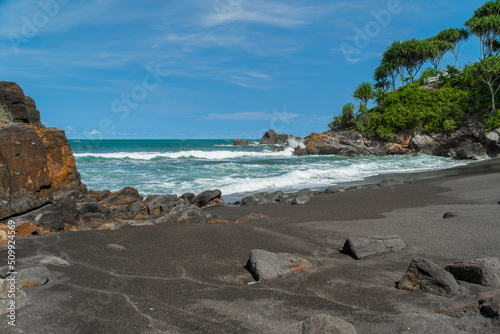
(41, 189)
(470, 141)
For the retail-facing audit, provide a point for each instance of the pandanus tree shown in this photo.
(485, 25)
(437, 48)
(456, 37)
(488, 71)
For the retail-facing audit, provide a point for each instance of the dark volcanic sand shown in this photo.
(190, 278)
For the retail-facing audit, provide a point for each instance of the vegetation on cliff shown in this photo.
(429, 99)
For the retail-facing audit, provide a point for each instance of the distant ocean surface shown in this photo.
(180, 166)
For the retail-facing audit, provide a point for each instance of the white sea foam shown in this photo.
(207, 155)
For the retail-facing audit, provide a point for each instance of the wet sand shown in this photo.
(191, 277)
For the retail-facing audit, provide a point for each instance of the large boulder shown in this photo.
(266, 266)
(206, 197)
(14, 101)
(158, 204)
(479, 271)
(126, 203)
(492, 141)
(272, 138)
(25, 181)
(426, 276)
(361, 247)
(340, 143)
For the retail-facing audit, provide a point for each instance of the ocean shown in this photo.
(180, 166)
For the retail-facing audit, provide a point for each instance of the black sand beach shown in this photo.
(191, 278)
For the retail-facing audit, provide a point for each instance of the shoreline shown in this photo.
(191, 278)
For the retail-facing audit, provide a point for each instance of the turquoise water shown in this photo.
(179, 166)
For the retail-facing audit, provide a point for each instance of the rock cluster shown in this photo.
(41, 190)
(301, 197)
(468, 142)
(242, 142)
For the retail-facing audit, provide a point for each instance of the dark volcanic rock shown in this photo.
(299, 198)
(426, 276)
(242, 142)
(263, 198)
(158, 204)
(272, 138)
(479, 271)
(326, 324)
(206, 197)
(13, 98)
(47, 217)
(448, 215)
(188, 196)
(486, 304)
(266, 266)
(492, 141)
(126, 204)
(32, 276)
(361, 247)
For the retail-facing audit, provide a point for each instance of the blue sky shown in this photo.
(206, 68)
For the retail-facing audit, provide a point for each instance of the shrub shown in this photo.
(493, 123)
(411, 107)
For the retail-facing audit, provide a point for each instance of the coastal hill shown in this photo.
(470, 141)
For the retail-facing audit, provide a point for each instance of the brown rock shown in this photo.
(25, 181)
(426, 276)
(60, 160)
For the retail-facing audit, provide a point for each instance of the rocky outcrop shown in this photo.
(41, 190)
(22, 108)
(272, 138)
(301, 197)
(242, 142)
(470, 141)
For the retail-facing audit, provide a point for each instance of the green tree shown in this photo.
(363, 92)
(485, 25)
(488, 71)
(348, 113)
(456, 37)
(437, 48)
